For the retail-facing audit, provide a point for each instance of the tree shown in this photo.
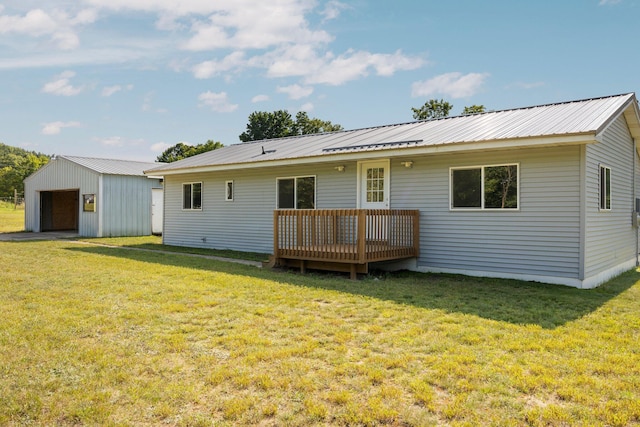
(473, 109)
(306, 126)
(15, 165)
(279, 124)
(265, 125)
(182, 151)
(432, 109)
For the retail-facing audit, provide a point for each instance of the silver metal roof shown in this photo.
(112, 166)
(584, 117)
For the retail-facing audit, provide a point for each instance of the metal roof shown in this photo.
(112, 166)
(587, 117)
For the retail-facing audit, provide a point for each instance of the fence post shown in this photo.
(15, 199)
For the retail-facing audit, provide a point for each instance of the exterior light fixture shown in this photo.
(339, 168)
(408, 164)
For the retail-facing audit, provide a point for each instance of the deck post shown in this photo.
(276, 234)
(416, 233)
(362, 236)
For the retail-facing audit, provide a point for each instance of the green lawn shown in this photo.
(93, 335)
(11, 217)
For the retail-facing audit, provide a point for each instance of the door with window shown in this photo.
(374, 184)
(374, 194)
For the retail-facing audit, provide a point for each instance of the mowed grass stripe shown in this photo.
(108, 336)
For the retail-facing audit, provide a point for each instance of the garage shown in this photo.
(59, 210)
(94, 197)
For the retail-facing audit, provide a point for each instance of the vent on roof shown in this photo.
(374, 145)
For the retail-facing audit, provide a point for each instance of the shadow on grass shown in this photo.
(513, 301)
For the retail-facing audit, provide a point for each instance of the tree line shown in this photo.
(15, 165)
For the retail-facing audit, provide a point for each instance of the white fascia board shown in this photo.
(548, 141)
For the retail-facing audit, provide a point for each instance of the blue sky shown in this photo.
(126, 79)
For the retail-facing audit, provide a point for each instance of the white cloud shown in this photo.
(208, 69)
(308, 107)
(54, 128)
(296, 91)
(356, 64)
(58, 25)
(159, 147)
(218, 102)
(110, 90)
(61, 86)
(118, 141)
(112, 141)
(454, 85)
(259, 98)
(247, 24)
(333, 9)
(608, 2)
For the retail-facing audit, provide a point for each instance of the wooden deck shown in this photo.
(343, 239)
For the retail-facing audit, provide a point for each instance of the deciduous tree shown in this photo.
(181, 151)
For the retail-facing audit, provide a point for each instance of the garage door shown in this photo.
(59, 210)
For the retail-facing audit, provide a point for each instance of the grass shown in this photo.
(121, 337)
(11, 217)
(154, 243)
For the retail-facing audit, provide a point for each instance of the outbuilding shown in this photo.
(94, 198)
(547, 193)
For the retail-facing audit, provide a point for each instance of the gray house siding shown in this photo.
(542, 238)
(61, 175)
(246, 223)
(610, 240)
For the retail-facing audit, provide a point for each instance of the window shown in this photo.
(88, 202)
(228, 188)
(297, 193)
(484, 187)
(192, 196)
(605, 188)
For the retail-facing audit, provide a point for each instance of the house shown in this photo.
(547, 193)
(94, 197)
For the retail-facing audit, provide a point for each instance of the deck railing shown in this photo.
(346, 235)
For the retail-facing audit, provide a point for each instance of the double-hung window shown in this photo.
(297, 192)
(605, 188)
(485, 187)
(192, 196)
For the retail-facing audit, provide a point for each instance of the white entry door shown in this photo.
(374, 184)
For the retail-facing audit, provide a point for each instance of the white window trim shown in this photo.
(602, 166)
(482, 208)
(233, 191)
(295, 189)
(201, 196)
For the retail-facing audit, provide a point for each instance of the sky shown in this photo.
(126, 79)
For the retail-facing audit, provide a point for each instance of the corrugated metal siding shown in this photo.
(246, 223)
(61, 174)
(610, 238)
(126, 205)
(542, 238)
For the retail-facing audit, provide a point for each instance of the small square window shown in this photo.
(88, 202)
